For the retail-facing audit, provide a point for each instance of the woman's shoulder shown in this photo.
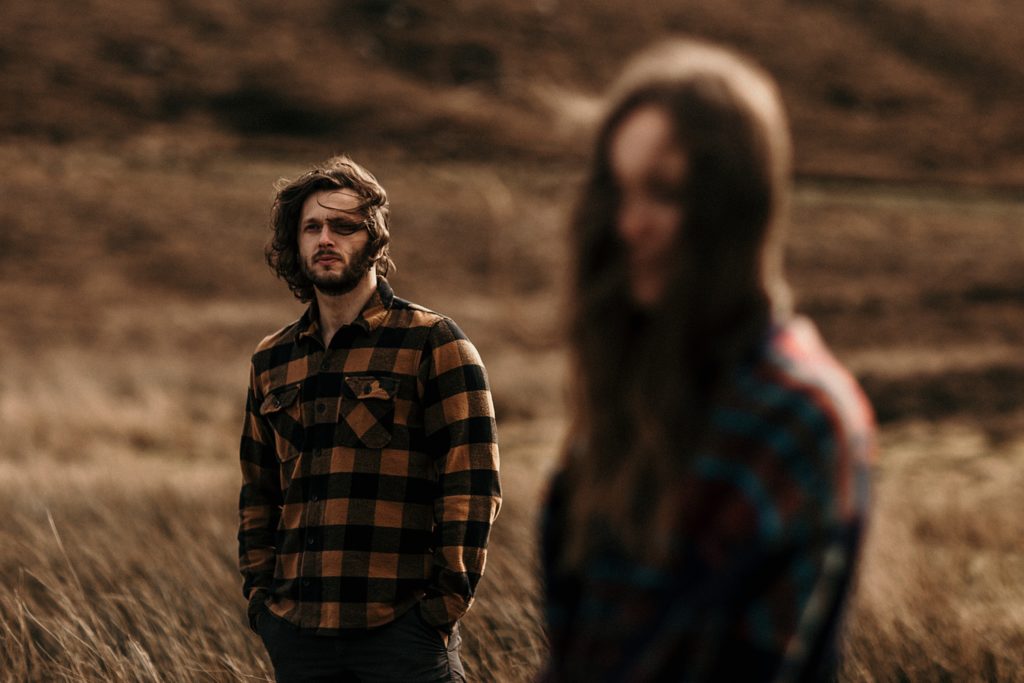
(796, 373)
(808, 413)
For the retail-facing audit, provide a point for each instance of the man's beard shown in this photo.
(345, 281)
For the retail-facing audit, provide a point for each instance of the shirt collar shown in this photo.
(376, 310)
(373, 315)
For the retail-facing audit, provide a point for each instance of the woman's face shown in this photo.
(650, 169)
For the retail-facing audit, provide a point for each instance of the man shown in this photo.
(369, 455)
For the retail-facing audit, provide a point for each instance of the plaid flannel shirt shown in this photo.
(774, 510)
(369, 470)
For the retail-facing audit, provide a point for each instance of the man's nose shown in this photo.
(325, 236)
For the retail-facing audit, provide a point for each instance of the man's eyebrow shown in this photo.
(342, 221)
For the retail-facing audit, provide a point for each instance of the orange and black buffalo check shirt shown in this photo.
(369, 470)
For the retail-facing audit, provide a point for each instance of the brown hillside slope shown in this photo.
(879, 88)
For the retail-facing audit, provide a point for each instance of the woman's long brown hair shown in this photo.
(644, 381)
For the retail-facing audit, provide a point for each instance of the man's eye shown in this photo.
(311, 227)
(346, 228)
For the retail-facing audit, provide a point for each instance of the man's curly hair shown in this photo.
(337, 173)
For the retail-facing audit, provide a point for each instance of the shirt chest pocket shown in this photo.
(281, 408)
(366, 412)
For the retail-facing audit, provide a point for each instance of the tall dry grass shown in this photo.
(120, 571)
(941, 595)
(121, 567)
(119, 559)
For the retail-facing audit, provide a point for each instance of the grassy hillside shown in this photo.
(877, 88)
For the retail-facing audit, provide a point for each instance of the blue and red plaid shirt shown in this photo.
(763, 561)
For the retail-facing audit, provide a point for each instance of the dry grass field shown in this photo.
(140, 146)
(128, 332)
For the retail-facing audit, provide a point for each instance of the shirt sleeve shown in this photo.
(259, 502)
(461, 435)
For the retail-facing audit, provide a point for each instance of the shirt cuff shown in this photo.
(257, 606)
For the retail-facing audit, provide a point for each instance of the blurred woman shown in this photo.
(706, 519)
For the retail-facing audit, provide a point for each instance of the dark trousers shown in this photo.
(408, 650)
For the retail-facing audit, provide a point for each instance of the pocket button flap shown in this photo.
(282, 398)
(363, 387)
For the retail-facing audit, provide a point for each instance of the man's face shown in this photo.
(333, 242)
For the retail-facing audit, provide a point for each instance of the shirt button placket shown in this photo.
(319, 410)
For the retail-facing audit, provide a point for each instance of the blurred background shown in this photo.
(140, 144)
